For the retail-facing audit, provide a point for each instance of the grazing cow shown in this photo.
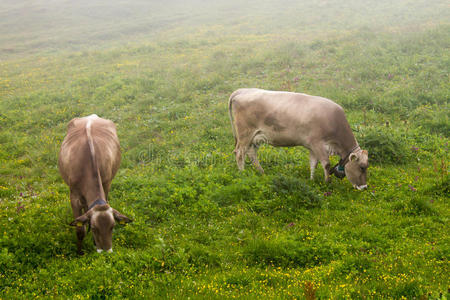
(88, 160)
(285, 119)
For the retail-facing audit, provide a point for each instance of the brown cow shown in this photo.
(285, 119)
(88, 160)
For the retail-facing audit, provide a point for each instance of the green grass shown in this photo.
(201, 229)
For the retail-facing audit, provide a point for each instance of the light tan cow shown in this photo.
(286, 119)
(88, 160)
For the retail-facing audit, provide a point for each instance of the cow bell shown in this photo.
(339, 171)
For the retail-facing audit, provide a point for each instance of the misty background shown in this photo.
(32, 26)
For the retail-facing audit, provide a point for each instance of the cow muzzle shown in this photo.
(361, 187)
(101, 250)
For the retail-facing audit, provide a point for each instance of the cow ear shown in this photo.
(353, 157)
(122, 219)
(80, 221)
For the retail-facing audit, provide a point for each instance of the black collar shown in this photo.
(344, 160)
(99, 201)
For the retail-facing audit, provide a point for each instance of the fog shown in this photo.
(51, 25)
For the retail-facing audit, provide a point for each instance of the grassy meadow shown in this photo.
(202, 230)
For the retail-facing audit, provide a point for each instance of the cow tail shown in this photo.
(230, 111)
(93, 158)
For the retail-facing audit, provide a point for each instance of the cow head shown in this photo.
(102, 219)
(356, 169)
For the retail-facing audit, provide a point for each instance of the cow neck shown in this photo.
(339, 168)
(100, 191)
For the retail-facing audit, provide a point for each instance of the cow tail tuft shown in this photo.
(230, 111)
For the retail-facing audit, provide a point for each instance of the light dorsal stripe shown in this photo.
(93, 158)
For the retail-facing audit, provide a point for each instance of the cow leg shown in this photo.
(326, 169)
(253, 155)
(81, 232)
(312, 164)
(240, 156)
(77, 210)
(321, 153)
(106, 187)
